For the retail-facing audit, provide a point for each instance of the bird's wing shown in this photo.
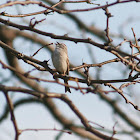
(67, 72)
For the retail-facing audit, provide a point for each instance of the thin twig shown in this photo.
(107, 25)
(41, 129)
(121, 93)
(11, 108)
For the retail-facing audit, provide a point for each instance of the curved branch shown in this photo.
(45, 95)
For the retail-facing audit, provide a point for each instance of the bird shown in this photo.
(60, 61)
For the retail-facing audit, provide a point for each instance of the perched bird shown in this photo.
(60, 61)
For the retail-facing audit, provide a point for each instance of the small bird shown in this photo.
(60, 61)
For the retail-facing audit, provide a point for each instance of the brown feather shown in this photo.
(65, 81)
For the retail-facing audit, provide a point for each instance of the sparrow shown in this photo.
(60, 61)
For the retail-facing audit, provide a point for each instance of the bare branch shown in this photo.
(11, 108)
(64, 98)
(40, 129)
(121, 93)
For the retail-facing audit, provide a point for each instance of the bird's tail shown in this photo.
(66, 87)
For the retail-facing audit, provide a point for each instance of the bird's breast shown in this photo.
(60, 61)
